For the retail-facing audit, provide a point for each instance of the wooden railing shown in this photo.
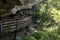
(10, 26)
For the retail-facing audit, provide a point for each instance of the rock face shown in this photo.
(8, 7)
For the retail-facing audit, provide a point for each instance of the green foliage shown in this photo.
(29, 38)
(41, 35)
(48, 19)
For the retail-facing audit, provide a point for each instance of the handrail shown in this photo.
(12, 24)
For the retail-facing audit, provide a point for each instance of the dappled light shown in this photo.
(42, 22)
(50, 29)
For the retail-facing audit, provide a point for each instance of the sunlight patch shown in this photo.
(50, 29)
